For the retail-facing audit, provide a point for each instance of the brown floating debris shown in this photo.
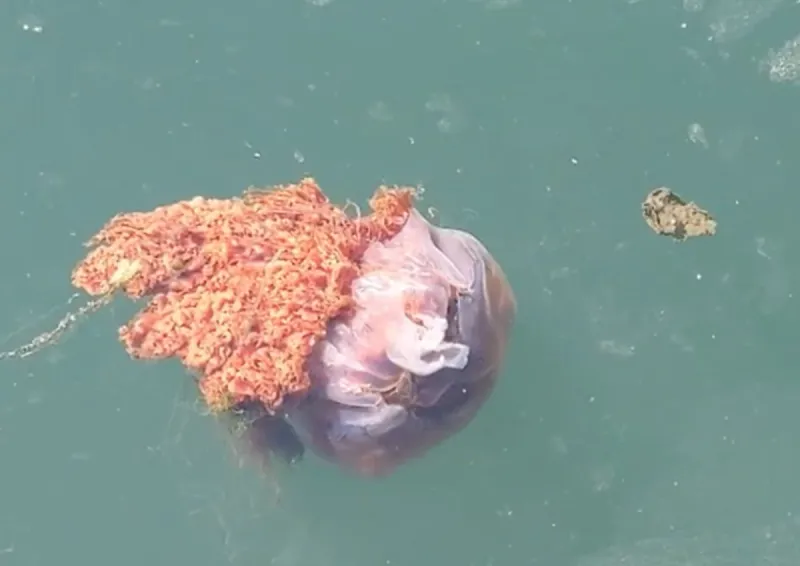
(667, 214)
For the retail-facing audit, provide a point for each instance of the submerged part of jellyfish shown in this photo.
(418, 355)
(373, 337)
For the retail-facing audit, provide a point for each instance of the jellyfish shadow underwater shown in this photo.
(388, 386)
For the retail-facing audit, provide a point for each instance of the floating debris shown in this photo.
(783, 65)
(668, 215)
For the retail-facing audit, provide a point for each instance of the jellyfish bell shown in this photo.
(417, 357)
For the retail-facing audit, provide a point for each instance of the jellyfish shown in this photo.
(368, 339)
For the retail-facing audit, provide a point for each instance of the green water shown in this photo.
(648, 409)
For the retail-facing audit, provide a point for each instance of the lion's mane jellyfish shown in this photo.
(373, 337)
